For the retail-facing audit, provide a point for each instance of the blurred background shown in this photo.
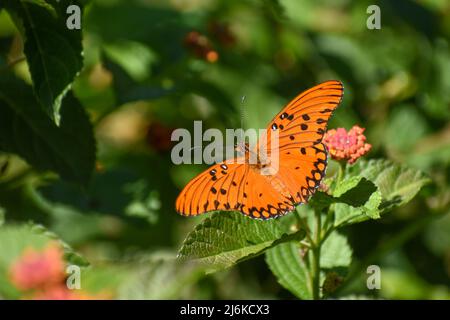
(153, 66)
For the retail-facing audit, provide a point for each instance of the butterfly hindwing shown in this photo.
(303, 170)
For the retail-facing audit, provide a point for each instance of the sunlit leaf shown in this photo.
(397, 184)
(287, 264)
(227, 238)
(54, 53)
(335, 252)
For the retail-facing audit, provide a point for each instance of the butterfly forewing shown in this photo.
(218, 188)
(304, 120)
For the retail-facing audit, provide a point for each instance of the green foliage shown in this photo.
(227, 238)
(363, 192)
(70, 255)
(336, 252)
(54, 53)
(287, 265)
(365, 205)
(159, 276)
(398, 184)
(97, 107)
(125, 87)
(68, 149)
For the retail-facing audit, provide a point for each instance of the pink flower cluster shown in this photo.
(343, 145)
(40, 275)
(36, 269)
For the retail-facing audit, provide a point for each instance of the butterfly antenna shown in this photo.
(242, 117)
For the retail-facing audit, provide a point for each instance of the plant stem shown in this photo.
(315, 270)
(316, 273)
(328, 223)
(341, 170)
(300, 225)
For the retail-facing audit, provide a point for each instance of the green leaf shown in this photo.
(127, 90)
(371, 207)
(405, 127)
(396, 185)
(27, 131)
(335, 259)
(144, 207)
(287, 265)
(354, 191)
(69, 254)
(346, 185)
(103, 280)
(54, 52)
(354, 198)
(335, 252)
(43, 4)
(346, 214)
(290, 263)
(160, 276)
(227, 238)
(14, 239)
(321, 200)
(133, 57)
(165, 36)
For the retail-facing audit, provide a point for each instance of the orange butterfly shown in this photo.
(235, 185)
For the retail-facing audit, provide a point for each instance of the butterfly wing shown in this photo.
(218, 188)
(302, 171)
(303, 121)
(234, 186)
(300, 127)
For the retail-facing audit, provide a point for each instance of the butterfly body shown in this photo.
(268, 181)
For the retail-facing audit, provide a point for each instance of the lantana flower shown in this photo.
(349, 146)
(40, 275)
(36, 269)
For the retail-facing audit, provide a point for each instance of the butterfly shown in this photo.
(237, 185)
